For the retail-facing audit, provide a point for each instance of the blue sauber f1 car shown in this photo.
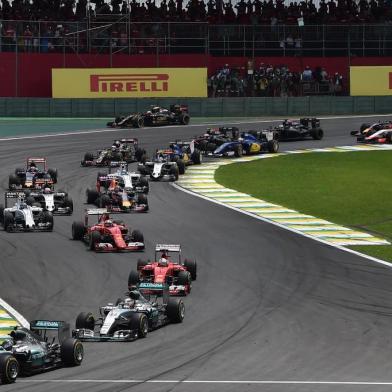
(249, 143)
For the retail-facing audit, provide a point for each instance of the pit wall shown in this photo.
(29, 74)
(198, 107)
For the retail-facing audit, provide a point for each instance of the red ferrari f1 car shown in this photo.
(177, 274)
(107, 235)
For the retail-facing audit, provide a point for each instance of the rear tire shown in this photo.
(196, 157)
(175, 310)
(238, 151)
(174, 172)
(184, 119)
(181, 166)
(92, 196)
(142, 199)
(9, 368)
(317, 133)
(8, 220)
(72, 352)
(273, 146)
(103, 201)
(53, 175)
(88, 156)
(13, 180)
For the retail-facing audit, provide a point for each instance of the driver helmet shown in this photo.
(33, 168)
(47, 190)
(22, 205)
(162, 262)
(155, 109)
(114, 148)
(129, 302)
(117, 143)
(108, 223)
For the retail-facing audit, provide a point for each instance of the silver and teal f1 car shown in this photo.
(145, 308)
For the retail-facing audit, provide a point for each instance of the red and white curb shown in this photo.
(200, 180)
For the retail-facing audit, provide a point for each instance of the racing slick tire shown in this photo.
(53, 174)
(8, 220)
(88, 156)
(175, 310)
(95, 237)
(181, 166)
(92, 196)
(72, 352)
(364, 126)
(211, 147)
(317, 133)
(142, 199)
(78, 230)
(141, 263)
(184, 119)
(174, 172)
(30, 200)
(133, 278)
(139, 322)
(143, 183)
(238, 151)
(137, 236)
(111, 124)
(191, 267)
(68, 202)
(47, 217)
(85, 320)
(13, 180)
(138, 122)
(184, 279)
(139, 152)
(9, 368)
(103, 201)
(196, 157)
(1, 213)
(19, 170)
(273, 146)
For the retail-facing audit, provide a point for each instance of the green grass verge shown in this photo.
(349, 188)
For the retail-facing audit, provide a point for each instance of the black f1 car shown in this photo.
(122, 150)
(299, 130)
(29, 351)
(177, 114)
(58, 203)
(33, 177)
(146, 307)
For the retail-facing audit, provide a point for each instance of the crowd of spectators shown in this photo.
(254, 12)
(274, 81)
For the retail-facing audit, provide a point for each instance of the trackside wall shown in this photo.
(204, 107)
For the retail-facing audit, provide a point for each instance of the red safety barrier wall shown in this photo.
(29, 74)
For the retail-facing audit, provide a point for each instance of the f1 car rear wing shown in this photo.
(13, 195)
(167, 247)
(42, 326)
(30, 160)
(96, 211)
(132, 140)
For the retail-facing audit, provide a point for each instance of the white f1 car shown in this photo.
(23, 217)
(58, 203)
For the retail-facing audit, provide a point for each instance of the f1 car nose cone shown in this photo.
(155, 175)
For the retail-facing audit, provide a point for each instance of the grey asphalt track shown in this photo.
(268, 304)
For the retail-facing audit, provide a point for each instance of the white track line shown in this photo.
(248, 382)
(84, 132)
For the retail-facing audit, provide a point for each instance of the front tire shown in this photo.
(9, 368)
(95, 238)
(139, 322)
(191, 267)
(78, 230)
(72, 352)
(137, 236)
(85, 321)
(175, 310)
(133, 278)
(273, 146)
